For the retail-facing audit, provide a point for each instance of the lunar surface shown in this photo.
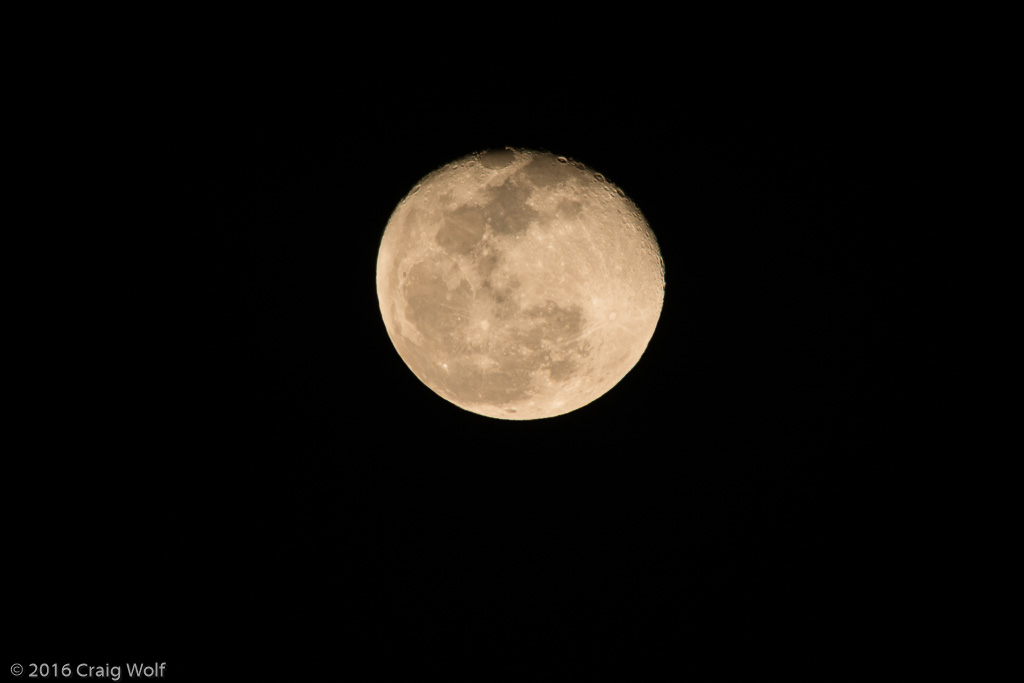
(519, 285)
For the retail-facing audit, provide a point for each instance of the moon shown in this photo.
(519, 285)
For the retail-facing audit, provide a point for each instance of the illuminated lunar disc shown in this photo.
(519, 285)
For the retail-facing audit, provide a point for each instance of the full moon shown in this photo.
(518, 284)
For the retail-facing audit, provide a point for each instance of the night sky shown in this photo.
(307, 498)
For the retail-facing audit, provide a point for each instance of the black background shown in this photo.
(271, 489)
